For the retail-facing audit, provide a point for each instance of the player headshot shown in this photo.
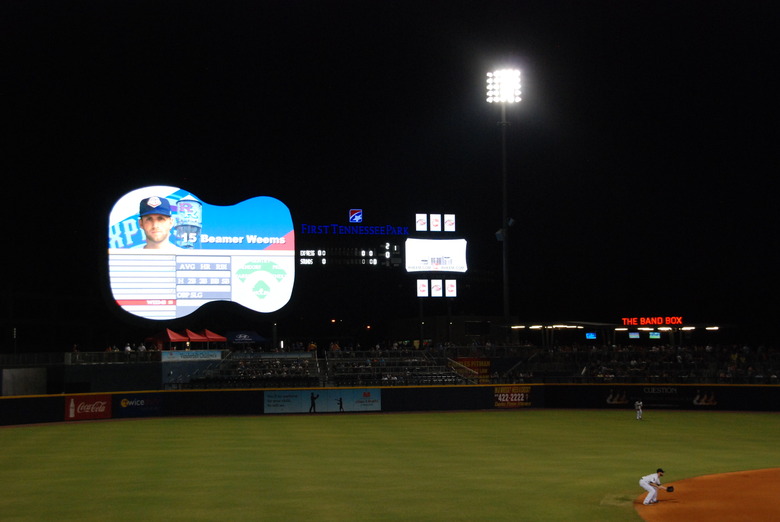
(154, 218)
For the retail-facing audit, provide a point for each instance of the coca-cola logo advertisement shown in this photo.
(86, 407)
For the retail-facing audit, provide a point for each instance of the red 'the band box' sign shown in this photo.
(659, 321)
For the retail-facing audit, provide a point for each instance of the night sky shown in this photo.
(641, 160)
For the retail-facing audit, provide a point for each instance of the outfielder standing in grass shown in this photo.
(638, 408)
(651, 483)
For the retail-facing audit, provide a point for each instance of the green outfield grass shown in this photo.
(550, 465)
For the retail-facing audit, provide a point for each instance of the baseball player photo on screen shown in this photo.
(169, 253)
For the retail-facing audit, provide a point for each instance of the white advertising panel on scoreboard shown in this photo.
(449, 222)
(435, 223)
(421, 222)
(436, 255)
(451, 288)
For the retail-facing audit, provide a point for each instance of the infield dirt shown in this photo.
(738, 496)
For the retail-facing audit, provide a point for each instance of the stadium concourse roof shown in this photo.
(628, 330)
(659, 323)
(631, 329)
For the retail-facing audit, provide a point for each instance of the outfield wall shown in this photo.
(117, 405)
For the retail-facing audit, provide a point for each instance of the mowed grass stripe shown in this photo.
(482, 465)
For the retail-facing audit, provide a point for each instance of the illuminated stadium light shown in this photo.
(503, 86)
(712, 328)
(687, 328)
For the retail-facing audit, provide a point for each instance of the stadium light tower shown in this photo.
(503, 87)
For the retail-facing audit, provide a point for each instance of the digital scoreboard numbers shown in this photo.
(200, 279)
(383, 255)
(353, 239)
(312, 257)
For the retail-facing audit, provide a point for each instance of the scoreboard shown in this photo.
(420, 243)
(170, 252)
(426, 246)
(387, 255)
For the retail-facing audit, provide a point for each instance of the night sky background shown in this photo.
(642, 159)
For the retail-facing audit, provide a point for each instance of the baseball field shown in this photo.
(545, 465)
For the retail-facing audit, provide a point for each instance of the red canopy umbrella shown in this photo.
(195, 337)
(213, 337)
(167, 336)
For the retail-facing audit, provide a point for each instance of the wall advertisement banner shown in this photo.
(87, 407)
(481, 365)
(323, 400)
(191, 355)
(512, 396)
(130, 405)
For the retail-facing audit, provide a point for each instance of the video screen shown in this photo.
(436, 255)
(169, 253)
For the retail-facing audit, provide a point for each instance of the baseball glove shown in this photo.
(670, 489)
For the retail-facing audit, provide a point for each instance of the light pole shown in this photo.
(503, 87)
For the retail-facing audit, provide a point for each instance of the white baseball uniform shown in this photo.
(652, 493)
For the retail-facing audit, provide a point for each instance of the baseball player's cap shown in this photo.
(154, 205)
(660, 470)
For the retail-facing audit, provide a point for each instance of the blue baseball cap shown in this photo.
(154, 205)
